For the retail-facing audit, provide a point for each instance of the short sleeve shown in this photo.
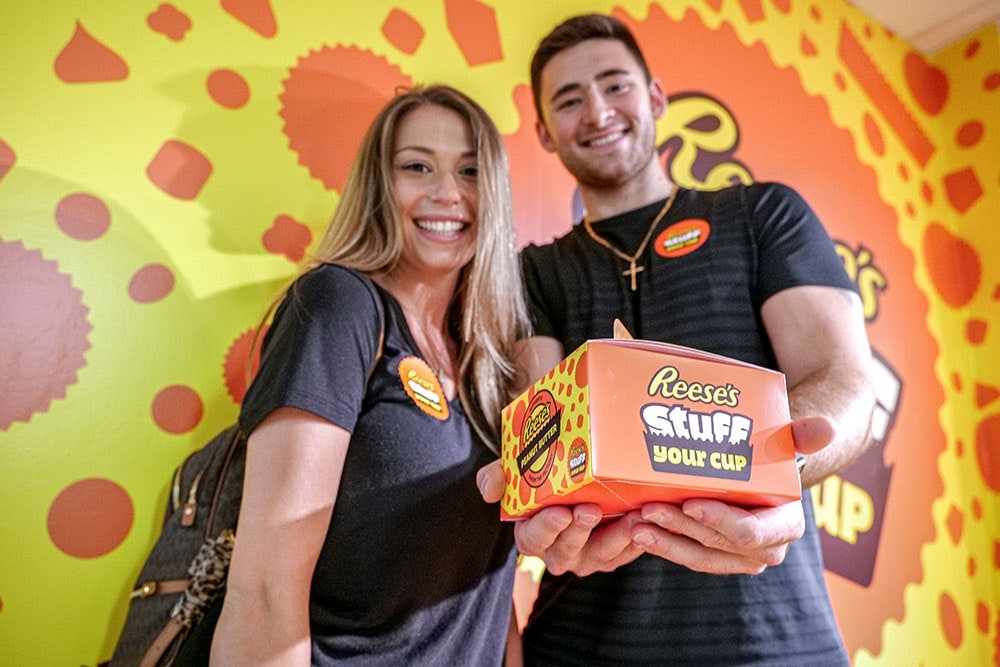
(319, 349)
(541, 322)
(794, 247)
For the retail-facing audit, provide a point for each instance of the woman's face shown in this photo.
(435, 181)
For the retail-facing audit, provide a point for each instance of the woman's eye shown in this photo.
(470, 172)
(417, 167)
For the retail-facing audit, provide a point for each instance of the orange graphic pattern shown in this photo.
(165, 168)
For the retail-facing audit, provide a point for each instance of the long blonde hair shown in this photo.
(366, 234)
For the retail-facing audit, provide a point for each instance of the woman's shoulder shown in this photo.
(333, 287)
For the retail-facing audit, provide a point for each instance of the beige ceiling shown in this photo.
(931, 25)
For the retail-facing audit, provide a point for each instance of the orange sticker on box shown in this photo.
(422, 385)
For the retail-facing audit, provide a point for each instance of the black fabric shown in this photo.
(416, 569)
(763, 238)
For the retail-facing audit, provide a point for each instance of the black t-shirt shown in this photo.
(416, 569)
(749, 242)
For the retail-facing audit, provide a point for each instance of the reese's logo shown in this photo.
(710, 443)
(538, 435)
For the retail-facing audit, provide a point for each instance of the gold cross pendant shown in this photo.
(631, 272)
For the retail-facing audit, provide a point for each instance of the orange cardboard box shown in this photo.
(624, 422)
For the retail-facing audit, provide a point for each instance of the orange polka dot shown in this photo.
(959, 448)
(992, 81)
(951, 620)
(177, 409)
(982, 618)
(83, 217)
(7, 158)
(228, 88)
(970, 567)
(86, 60)
(403, 31)
(977, 509)
(910, 209)
(90, 518)
(956, 381)
(971, 49)
(969, 134)
(953, 264)
(151, 283)
(975, 331)
(839, 81)
(988, 451)
(904, 173)
(783, 6)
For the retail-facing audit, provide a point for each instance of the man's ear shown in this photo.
(543, 136)
(657, 97)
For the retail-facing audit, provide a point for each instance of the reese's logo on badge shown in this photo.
(538, 435)
(682, 238)
(423, 387)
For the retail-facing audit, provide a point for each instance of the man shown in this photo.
(765, 286)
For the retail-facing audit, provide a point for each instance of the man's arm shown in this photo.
(819, 339)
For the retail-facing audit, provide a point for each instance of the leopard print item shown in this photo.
(208, 577)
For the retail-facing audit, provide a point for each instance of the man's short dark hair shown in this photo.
(571, 32)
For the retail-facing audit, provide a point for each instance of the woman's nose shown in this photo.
(446, 188)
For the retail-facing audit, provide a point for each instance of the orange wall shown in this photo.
(165, 167)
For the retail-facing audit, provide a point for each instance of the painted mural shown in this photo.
(165, 167)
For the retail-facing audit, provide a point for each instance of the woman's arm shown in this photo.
(294, 465)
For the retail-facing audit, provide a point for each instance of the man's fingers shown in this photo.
(812, 434)
(489, 479)
(536, 534)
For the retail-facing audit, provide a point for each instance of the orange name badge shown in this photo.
(423, 387)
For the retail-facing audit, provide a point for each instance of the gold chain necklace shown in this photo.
(632, 269)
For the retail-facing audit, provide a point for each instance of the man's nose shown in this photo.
(599, 112)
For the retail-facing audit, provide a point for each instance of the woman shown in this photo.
(362, 536)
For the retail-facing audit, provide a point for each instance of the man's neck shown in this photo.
(606, 202)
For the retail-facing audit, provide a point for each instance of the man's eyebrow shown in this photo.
(603, 74)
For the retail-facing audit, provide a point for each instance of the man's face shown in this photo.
(599, 114)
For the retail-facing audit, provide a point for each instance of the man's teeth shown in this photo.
(603, 141)
(441, 226)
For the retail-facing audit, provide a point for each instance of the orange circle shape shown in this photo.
(423, 387)
(682, 238)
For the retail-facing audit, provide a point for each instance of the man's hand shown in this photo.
(703, 535)
(567, 539)
(711, 536)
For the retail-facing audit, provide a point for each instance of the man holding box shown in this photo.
(761, 283)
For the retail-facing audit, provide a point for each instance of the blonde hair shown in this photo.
(489, 309)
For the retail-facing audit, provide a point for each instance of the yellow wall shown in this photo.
(164, 167)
